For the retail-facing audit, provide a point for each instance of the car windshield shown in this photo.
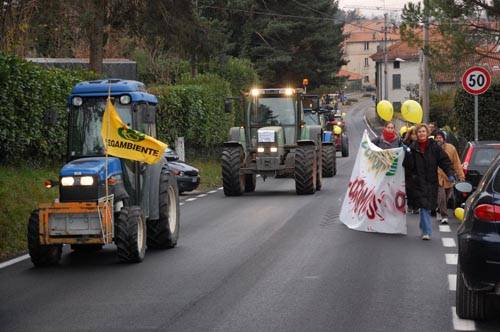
(84, 132)
(272, 111)
(484, 156)
(311, 118)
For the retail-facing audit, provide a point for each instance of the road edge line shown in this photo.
(14, 261)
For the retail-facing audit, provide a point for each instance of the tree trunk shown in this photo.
(96, 37)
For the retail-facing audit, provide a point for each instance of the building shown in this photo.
(403, 73)
(353, 80)
(363, 39)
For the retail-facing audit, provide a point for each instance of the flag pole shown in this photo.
(106, 138)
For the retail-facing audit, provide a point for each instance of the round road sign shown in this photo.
(476, 80)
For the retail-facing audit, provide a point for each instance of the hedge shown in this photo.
(489, 114)
(194, 110)
(27, 91)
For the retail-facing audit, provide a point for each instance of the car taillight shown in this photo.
(487, 212)
(467, 159)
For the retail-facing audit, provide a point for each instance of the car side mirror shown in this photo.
(50, 118)
(463, 187)
(228, 106)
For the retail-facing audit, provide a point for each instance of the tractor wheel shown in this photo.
(164, 232)
(328, 160)
(86, 248)
(250, 182)
(232, 181)
(305, 172)
(319, 169)
(470, 304)
(130, 235)
(41, 255)
(345, 146)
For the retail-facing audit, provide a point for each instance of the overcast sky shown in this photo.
(374, 3)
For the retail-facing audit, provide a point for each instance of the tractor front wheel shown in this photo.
(41, 255)
(232, 181)
(328, 161)
(345, 146)
(305, 172)
(130, 235)
(164, 232)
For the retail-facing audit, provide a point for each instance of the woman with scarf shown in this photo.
(389, 138)
(421, 164)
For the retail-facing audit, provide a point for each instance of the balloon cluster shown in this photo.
(411, 111)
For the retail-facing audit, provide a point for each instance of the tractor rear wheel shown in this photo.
(319, 169)
(250, 182)
(130, 235)
(345, 146)
(305, 172)
(233, 182)
(164, 232)
(328, 161)
(41, 255)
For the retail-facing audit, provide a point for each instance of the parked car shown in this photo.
(188, 177)
(476, 158)
(478, 272)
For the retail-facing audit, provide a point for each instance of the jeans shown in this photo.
(444, 195)
(425, 221)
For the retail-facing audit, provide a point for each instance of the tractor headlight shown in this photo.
(260, 149)
(86, 181)
(77, 101)
(289, 91)
(125, 99)
(67, 181)
(255, 92)
(274, 149)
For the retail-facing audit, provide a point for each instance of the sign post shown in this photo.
(476, 80)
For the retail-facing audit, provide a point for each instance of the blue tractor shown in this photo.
(132, 204)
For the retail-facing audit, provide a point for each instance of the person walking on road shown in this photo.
(410, 137)
(421, 163)
(389, 138)
(445, 186)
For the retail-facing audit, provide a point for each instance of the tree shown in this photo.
(460, 30)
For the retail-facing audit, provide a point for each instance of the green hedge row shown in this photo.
(489, 113)
(27, 92)
(194, 110)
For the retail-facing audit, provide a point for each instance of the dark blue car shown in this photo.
(478, 275)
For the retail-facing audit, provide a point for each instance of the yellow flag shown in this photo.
(123, 142)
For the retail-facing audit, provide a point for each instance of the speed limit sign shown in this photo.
(476, 80)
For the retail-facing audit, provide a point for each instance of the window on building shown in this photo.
(396, 81)
(396, 64)
(367, 46)
(366, 62)
(367, 79)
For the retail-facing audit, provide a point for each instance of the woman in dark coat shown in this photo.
(421, 164)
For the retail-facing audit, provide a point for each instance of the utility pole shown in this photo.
(386, 90)
(425, 63)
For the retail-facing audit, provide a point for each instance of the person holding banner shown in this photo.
(421, 164)
(389, 139)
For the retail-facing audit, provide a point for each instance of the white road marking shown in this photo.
(460, 324)
(212, 191)
(451, 259)
(452, 282)
(190, 199)
(444, 228)
(311, 277)
(201, 195)
(220, 188)
(181, 204)
(14, 261)
(448, 242)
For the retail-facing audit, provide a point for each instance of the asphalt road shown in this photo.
(267, 261)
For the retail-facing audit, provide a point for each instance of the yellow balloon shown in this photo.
(385, 110)
(403, 130)
(459, 214)
(337, 130)
(411, 111)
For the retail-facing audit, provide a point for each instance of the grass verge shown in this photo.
(210, 172)
(21, 189)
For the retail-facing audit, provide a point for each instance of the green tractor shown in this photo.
(274, 141)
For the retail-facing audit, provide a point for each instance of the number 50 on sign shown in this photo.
(476, 80)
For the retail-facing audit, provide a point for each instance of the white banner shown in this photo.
(376, 200)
